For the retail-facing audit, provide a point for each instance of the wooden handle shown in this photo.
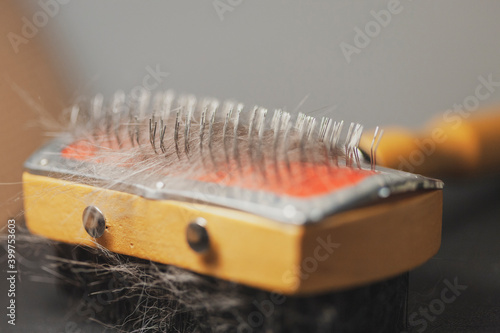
(453, 144)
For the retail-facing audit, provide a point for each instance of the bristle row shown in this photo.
(218, 136)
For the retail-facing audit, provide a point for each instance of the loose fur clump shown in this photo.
(135, 295)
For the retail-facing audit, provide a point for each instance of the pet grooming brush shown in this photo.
(231, 193)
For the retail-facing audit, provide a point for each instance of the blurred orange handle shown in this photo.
(453, 144)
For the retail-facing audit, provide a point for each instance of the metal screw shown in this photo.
(197, 235)
(384, 192)
(94, 221)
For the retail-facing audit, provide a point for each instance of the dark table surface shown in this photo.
(469, 258)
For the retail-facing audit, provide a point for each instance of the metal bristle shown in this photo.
(228, 113)
(176, 131)
(198, 126)
(374, 146)
(201, 133)
(191, 104)
(152, 133)
(251, 126)
(236, 123)
(334, 139)
(260, 130)
(214, 106)
(276, 126)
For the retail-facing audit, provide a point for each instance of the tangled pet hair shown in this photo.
(134, 295)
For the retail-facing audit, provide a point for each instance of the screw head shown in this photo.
(197, 235)
(384, 192)
(94, 221)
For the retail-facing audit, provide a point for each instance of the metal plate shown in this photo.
(387, 182)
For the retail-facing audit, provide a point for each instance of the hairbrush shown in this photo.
(233, 194)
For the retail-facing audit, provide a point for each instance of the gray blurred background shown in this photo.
(279, 53)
